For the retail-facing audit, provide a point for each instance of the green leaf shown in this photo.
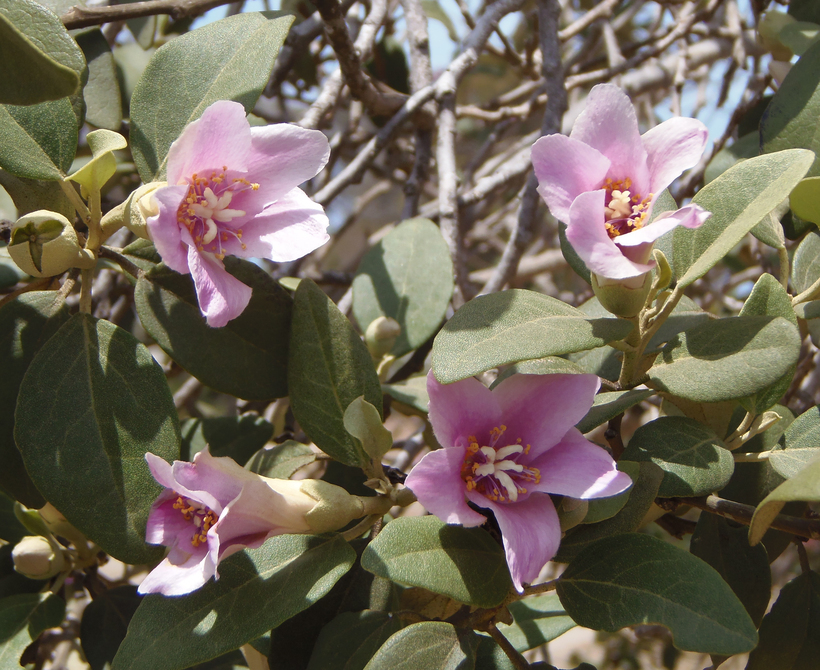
(239, 437)
(427, 645)
(92, 403)
(641, 498)
(257, 590)
(489, 656)
(105, 623)
(607, 406)
(351, 639)
(738, 200)
(102, 166)
(434, 10)
(695, 461)
(768, 297)
(411, 392)
(790, 633)
(37, 55)
(229, 59)
(789, 121)
(466, 564)
(364, 423)
(26, 324)
(280, 461)
(22, 618)
(329, 367)
(799, 36)
(538, 620)
(248, 357)
(804, 487)
(634, 579)
(550, 365)
(513, 326)
(725, 546)
(747, 146)
(806, 262)
(805, 199)
(38, 141)
(29, 195)
(407, 276)
(802, 444)
(103, 99)
(726, 358)
(11, 530)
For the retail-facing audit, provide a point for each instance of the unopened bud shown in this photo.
(45, 244)
(622, 297)
(381, 336)
(36, 557)
(134, 212)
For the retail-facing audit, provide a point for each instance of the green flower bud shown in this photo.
(45, 244)
(381, 335)
(622, 297)
(134, 212)
(37, 558)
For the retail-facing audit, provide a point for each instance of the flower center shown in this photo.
(206, 214)
(200, 516)
(624, 211)
(494, 470)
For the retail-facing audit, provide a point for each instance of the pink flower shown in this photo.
(233, 191)
(210, 509)
(603, 180)
(505, 450)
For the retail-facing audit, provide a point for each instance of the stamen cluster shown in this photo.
(204, 211)
(494, 471)
(624, 211)
(200, 516)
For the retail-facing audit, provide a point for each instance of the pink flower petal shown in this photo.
(165, 524)
(588, 236)
(220, 137)
(610, 125)
(672, 147)
(221, 296)
(177, 580)
(691, 216)
(540, 409)
(460, 410)
(531, 533)
(288, 229)
(565, 168)
(283, 156)
(578, 468)
(436, 481)
(164, 228)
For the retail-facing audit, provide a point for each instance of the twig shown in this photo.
(809, 529)
(349, 55)
(81, 16)
(549, 12)
(512, 653)
(122, 261)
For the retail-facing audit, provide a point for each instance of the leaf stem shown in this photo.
(76, 200)
(545, 587)
(810, 293)
(122, 261)
(512, 653)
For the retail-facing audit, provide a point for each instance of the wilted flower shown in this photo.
(233, 191)
(506, 450)
(213, 508)
(603, 180)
